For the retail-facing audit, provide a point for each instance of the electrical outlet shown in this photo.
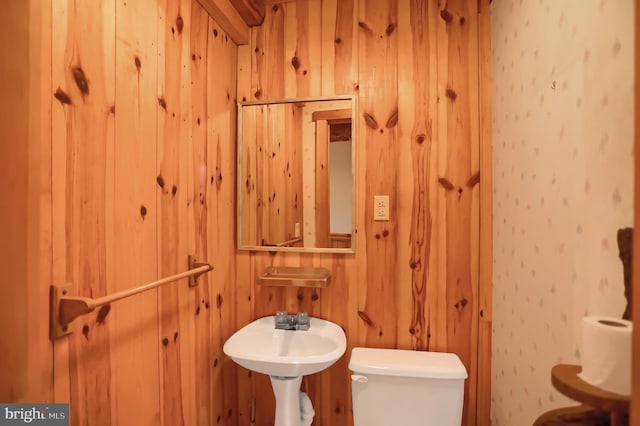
(381, 207)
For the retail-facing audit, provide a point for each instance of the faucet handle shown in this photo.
(281, 317)
(302, 318)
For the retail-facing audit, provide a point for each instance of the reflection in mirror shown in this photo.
(295, 175)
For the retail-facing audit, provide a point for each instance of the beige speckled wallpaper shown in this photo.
(562, 98)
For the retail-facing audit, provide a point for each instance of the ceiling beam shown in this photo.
(226, 15)
(252, 11)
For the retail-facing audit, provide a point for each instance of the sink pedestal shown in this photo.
(287, 393)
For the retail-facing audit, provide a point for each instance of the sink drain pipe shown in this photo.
(306, 409)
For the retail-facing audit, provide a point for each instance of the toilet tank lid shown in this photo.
(405, 363)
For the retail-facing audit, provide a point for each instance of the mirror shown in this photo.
(296, 161)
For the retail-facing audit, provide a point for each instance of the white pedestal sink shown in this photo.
(286, 356)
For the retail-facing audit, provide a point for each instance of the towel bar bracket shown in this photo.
(56, 328)
(193, 264)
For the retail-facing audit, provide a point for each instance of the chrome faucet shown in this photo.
(299, 321)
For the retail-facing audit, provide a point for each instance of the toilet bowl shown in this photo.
(393, 387)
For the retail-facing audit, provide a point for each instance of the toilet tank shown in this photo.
(392, 387)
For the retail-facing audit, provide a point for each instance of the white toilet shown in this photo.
(392, 387)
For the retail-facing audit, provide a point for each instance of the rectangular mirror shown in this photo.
(296, 185)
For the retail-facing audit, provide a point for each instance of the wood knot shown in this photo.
(446, 15)
(160, 181)
(219, 301)
(364, 317)
(390, 28)
(459, 305)
(393, 119)
(215, 32)
(174, 189)
(258, 94)
(370, 121)
(365, 27)
(446, 184)
(138, 63)
(420, 138)
(143, 211)
(295, 62)
(179, 24)
(162, 103)
(451, 94)
(61, 96)
(474, 180)
(81, 80)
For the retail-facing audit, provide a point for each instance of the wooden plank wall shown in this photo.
(25, 244)
(635, 314)
(131, 166)
(414, 282)
(127, 113)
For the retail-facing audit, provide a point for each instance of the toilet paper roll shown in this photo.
(606, 353)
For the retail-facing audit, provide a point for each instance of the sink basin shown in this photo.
(286, 353)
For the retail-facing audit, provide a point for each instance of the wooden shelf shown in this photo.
(564, 377)
(295, 276)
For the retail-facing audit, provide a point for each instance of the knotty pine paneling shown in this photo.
(25, 225)
(85, 91)
(485, 291)
(458, 177)
(413, 282)
(129, 169)
(174, 128)
(142, 172)
(133, 213)
(225, 299)
(416, 81)
(198, 225)
(635, 372)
